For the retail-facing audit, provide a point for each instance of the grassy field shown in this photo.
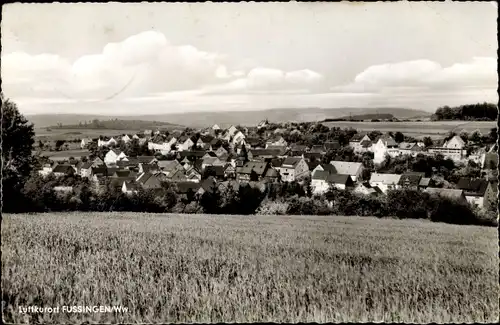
(65, 154)
(199, 268)
(437, 129)
(69, 134)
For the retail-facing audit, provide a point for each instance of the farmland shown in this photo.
(69, 134)
(206, 268)
(437, 129)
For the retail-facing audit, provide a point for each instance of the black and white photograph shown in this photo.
(249, 162)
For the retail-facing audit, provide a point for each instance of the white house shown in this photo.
(386, 145)
(323, 180)
(238, 138)
(453, 149)
(126, 138)
(385, 182)
(186, 145)
(293, 168)
(367, 189)
(232, 130)
(113, 156)
(85, 142)
(360, 143)
(129, 188)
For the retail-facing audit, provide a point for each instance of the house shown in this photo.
(453, 194)
(272, 175)
(216, 171)
(229, 171)
(144, 168)
(97, 172)
(148, 181)
(385, 182)
(293, 168)
(353, 169)
(215, 127)
(367, 189)
(277, 142)
(489, 159)
(332, 145)
(106, 142)
(322, 181)
(169, 166)
(454, 149)
(256, 168)
(112, 156)
(425, 182)
(238, 138)
(63, 170)
(385, 145)
(263, 153)
(85, 143)
(46, 170)
(318, 149)
(477, 191)
(211, 161)
(232, 131)
(262, 124)
(410, 149)
(252, 142)
(126, 138)
(86, 169)
(146, 160)
(193, 175)
(186, 145)
(360, 143)
(177, 175)
(190, 155)
(98, 162)
(410, 180)
(124, 173)
(220, 152)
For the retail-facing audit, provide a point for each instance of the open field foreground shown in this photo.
(434, 129)
(200, 268)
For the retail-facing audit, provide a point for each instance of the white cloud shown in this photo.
(418, 75)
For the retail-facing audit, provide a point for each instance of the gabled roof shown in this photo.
(291, 162)
(124, 173)
(331, 178)
(425, 181)
(177, 175)
(265, 152)
(346, 168)
(407, 145)
(317, 149)
(277, 162)
(145, 159)
(211, 154)
(472, 187)
(365, 143)
(313, 164)
(445, 192)
(271, 173)
(257, 166)
(386, 179)
(168, 165)
(410, 179)
(388, 140)
(192, 154)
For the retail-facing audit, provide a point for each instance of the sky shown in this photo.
(155, 58)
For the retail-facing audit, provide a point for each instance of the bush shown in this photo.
(271, 207)
(307, 206)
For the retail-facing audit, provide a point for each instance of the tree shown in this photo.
(399, 137)
(254, 177)
(17, 145)
(428, 142)
(59, 144)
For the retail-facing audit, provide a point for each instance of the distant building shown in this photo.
(293, 168)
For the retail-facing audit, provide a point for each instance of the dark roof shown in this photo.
(86, 165)
(277, 162)
(309, 155)
(217, 170)
(125, 173)
(313, 164)
(211, 154)
(472, 187)
(265, 152)
(208, 184)
(66, 169)
(410, 179)
(317, 149)
(332, 145)
(192, 154)
(365, 143)
(257, 166)
(184, 187)
(145, 159)
(332, 178)
(271, 172)
(291, 161)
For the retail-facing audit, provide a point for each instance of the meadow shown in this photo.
(434, 129)
(207, 268)
(70, 134)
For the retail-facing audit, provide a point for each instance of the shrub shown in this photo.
(272, 207)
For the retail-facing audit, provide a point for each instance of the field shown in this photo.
(200, 268)
(69, 134)
(437, 129)
(66, 154)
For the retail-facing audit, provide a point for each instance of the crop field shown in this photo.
(202, 268)
(66, 154)
(437, 129)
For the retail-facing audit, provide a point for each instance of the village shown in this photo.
(198, 160)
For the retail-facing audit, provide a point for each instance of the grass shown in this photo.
(201, 268)
(69, 134)
(436, 129)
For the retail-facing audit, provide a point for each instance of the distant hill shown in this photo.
(362, 117)
(228, 118)
(89, 122)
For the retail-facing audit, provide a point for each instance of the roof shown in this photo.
(168, 165)
(410, 179)
(291, 161)
(407, 145)
(357, 137)
(208, 184)
(332, 145)
(145, 159)
(86, 165)
(425, 181)
(265, 152)
(365, 143)
(131, 186)
(184, 187)
(331, 178)
(445, 192)
(313, 164)
(317, 149)
(458, 139)
(125, 173)
(210, 160)
(388, 140)
(179, 174)
(217, 170)
(346, 168)
(197, 154)
(277, 162)
(271, 172)
(66, 169)
(386, 179)
(257, 166)
(472, 187)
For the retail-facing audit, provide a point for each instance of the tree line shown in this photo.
(472, 112)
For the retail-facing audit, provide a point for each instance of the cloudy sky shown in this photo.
(151, 58)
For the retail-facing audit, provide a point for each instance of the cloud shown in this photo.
(143, 64)
(423, 75)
